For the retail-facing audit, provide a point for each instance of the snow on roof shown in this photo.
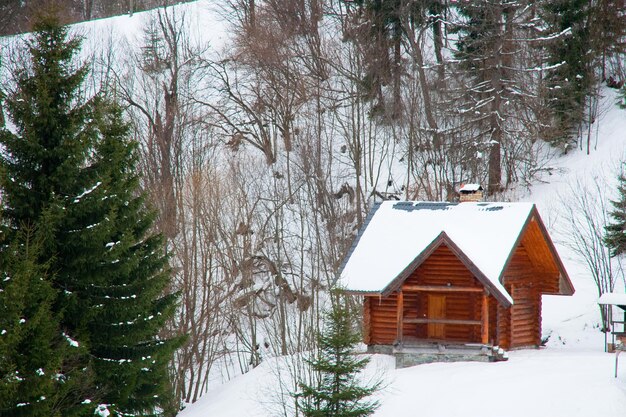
(470, 187)
(397, 232)
(613, 298)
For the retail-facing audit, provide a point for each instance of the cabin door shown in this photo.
(436, 310)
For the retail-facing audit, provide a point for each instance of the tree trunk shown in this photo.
(436, 10)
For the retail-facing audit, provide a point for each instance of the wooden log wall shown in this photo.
(548, 282)
(477, 306)
(536, 248)
(504, 327)
(441, 268)
(462, 307)
(492, 307)
(493, 320)
(525, 285)
(525, 313)
(383, 319)
(414, 307)
(367, 324)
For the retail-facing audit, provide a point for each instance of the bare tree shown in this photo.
(179, 161)
(157, 89)
(586, 216)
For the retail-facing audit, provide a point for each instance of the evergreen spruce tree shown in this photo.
(615, 232)
(27, 332)
(38, 373)
(379, 32)
(72, 158)
(337, 393)
(495, 92)
(608, 33)
(571, 54)
(129, 279)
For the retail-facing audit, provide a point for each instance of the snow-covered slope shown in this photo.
(573, 321)
(202, 21)
(112, 38)
(571, 376)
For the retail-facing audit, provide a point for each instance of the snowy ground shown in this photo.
(571, 376)
(532, 383)
(549, 382)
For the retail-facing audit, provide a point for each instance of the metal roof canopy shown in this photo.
(614, 299)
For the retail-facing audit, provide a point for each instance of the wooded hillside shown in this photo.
(262, 156)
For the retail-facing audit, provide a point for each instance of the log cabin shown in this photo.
(468, 273)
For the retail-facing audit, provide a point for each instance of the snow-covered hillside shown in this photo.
(571, 376)
(573, 321)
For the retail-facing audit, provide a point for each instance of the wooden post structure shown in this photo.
(400, 314)
(367, 317)
(485, 320)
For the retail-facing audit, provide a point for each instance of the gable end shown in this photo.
(441, 239)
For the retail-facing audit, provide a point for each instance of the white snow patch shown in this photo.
(102, 410)
(613, 298)
(557, 383)
(86, 192)
(71, 341)
(470, 187)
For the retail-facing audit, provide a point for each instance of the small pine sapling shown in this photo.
(337, 391)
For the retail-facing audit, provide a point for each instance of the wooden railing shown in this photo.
(441, 321)
(484, 322)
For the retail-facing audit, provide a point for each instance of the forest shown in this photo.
(252, 153)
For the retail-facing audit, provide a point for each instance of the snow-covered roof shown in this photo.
(396, 233)
(613, 298)
(470, 188)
